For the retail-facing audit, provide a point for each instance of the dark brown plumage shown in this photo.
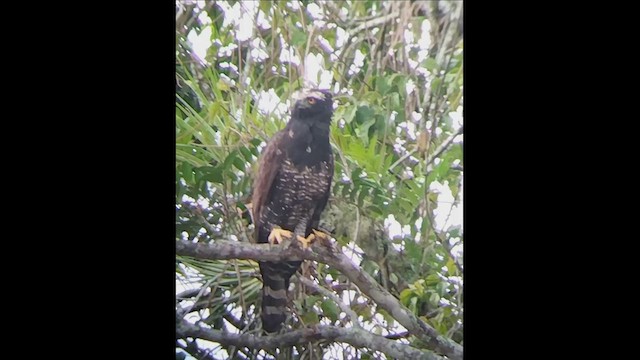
(291, 191)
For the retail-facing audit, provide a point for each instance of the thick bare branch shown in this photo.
(220, 250)
(353, 336)
(226, 250)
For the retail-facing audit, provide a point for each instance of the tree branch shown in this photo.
(353, 336)
(224, 250)
(444, 145)
(188, 294)
(401, 159)
(401, 335)
(192, 349)
(344, 307)
(373, 23)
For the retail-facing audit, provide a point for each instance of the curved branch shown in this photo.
(224, 250)
(353, 336)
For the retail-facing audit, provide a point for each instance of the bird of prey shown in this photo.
(290, 192)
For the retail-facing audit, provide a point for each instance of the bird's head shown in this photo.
(313, 105)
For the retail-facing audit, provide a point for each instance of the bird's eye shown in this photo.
(311, 100)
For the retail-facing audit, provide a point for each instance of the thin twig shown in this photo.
(332, 296)
(374, 22)
(444, 145)
(402, 158)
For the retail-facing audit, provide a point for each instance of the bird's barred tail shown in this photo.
(275, 278)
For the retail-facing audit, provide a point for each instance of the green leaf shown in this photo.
(432, 280)
(364, 113)
(361, 196)
(310, 318)
(401, 115)
(187, 173)
(442, 168)
(255, 141)
(265, 5)
(393, 278)
(413, 304)
(185, 156)
(362, 309)
(298, 38)
(362, 131)
(180, 190)
(372, 97)
(434, 299)
(419, 287)
(405, 296)
(406, 205)
(229, 160)
(451, 267)
(393, 101)
(246, 153)
(430, 178)
(413, 250)
(309, 301)
(388, 318)
(222, 85)
(430, 63)
(382, 86)
(435, 85)
(239, 164)
(330, 309)
(381, 128)
(442, 288)
(454, 231)
(209, 173)
(346, 191)
(376, 210)
(401, 82)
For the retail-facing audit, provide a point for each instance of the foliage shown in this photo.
(397, 71)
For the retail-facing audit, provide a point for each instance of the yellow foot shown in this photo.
(306, 242)
(276, 235)
(320, 234)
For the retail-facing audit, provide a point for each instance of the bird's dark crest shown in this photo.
(311, 105)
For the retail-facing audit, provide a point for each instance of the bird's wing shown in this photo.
(268, 167)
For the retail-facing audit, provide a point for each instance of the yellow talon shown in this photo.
(320, 234)
(276, 235)
(306, 242)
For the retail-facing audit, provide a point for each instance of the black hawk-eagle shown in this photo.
(290, 192)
